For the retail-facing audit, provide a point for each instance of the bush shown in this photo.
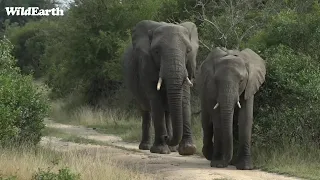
(63, 174)
(299, 31)
(288, 105)
(22, 106)
(29, 43)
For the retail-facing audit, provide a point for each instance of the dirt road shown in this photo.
(171, 166)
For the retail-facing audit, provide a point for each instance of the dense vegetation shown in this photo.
(80, 53)
(22, 105)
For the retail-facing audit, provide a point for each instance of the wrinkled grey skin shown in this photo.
(168, 51)
(227, 77)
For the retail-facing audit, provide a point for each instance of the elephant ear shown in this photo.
(192, 54)
(141, 41)
(256, 72)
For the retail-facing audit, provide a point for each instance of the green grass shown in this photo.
(290, 160)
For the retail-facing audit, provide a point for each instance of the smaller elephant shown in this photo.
(227, 81)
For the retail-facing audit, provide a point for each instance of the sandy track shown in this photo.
(171, 166)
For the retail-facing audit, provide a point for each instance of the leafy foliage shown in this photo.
(29, 44)
(22, 105)
(63, 174)
(288, 105)
(90, 41)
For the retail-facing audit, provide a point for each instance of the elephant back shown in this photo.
(252, 57)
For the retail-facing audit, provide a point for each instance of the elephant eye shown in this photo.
(242, 79)
(188, 50)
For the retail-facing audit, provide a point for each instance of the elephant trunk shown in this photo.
(175, 107)
(227, 102)
(174, 75)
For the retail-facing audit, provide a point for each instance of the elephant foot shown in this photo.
(144, 146)
(173, 148)
(219, 163)
(207, 152)
(160, 149)
(245, 164)
(187, 148)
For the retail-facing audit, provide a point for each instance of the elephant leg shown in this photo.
(145, 143)
(159, 146)
(217, 155)
(245, 129)
(169, 130)
(207, 128)
(186, 146)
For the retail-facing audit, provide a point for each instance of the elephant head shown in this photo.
(167, 54)
(236, 77)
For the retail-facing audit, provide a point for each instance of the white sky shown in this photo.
(64, 3)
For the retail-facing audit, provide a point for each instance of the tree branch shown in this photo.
(204, 45)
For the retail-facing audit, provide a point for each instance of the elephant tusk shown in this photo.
(215, 107)
(159, 83)
(189, 82)
(239, 104)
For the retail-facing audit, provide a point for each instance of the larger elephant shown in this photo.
(228, 81)
(159, 68)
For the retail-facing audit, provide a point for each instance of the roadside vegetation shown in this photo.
(24, 105)
(28, 163)
(76, 63)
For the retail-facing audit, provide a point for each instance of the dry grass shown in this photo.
(90, 164)
(109, 121)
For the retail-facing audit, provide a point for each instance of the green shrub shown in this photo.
(29, 44)
(22, 106)
(63, 174)
(288, 106)
(299, 31)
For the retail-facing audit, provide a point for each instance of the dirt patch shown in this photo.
(171, 166)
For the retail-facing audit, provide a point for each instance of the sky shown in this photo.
(64, 3)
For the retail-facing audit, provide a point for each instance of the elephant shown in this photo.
(227, 82)
(159, 68)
